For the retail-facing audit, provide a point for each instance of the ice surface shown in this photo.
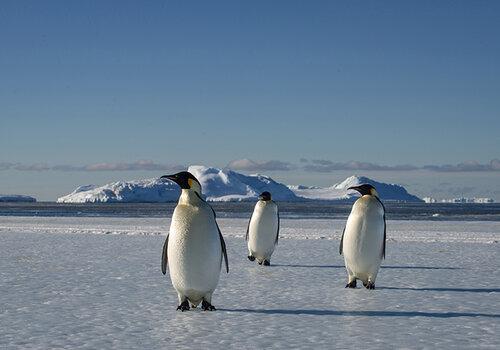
(438, 288)
(398, 230)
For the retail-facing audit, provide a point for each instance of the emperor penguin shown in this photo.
(263, 230)
(363, 238)
(194, 247)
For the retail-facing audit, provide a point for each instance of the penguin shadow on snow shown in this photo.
(356, 313)
(382, 267)
(427, 289)
(420, 267)
(310, 266)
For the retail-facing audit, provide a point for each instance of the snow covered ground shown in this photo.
(64, 283)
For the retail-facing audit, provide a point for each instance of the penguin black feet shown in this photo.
(251, 258)
(184, 306)
(206, 306)
(267, 263)
(369, 285)
(351, 284)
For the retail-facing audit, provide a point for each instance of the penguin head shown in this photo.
(365, 189)
(185, 180)
(265, 196)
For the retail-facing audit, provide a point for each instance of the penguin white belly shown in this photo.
(194, 252)
(363, 239)
(262, 230)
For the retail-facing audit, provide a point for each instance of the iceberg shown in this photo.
(338, 192)
(218, 185)
(224, 185)
(138, 191)
(228, 185)
(16, 198)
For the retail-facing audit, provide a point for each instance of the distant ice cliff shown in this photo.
(227, 185)
(16, 198)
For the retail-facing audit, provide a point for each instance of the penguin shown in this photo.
(194, 247)
(263, 230)
(364, 236)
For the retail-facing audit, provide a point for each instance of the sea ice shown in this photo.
(65, 285)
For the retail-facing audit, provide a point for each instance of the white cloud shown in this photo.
(250, 165)
(469, 166)
(147, 165)
(326, 166)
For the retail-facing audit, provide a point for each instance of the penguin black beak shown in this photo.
(169, 177)
(356, 188)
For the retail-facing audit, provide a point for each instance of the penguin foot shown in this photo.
(251, 258)
(369, 285)
(351, 284)
(206, 306)
(184, 306)
(260, 262)
(267, 263)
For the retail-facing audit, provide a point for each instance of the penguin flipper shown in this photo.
(248, 227)
(164, 257)
(385, 226)
(341, 247)
(383, 247)
(224, 252)
(278, 230)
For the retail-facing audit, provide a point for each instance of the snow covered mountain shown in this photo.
(217, 185)
(321, 193)
(388, 192)
(148, 191)
(16, 198)
(228, 185)
(221, 185)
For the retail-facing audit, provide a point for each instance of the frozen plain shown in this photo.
(95, 283)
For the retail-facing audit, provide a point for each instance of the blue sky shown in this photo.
(177, 82)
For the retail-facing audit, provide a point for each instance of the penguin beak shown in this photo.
(261, 197)
(354, 188)
(169, 177)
